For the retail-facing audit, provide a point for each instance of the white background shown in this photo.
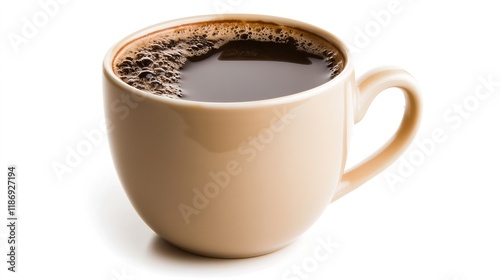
(439, 220)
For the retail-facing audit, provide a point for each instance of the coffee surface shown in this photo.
(228, 61)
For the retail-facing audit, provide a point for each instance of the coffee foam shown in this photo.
(153, 62)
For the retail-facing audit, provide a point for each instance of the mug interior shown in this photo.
(327, 41)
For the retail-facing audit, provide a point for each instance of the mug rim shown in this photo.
(290, 98)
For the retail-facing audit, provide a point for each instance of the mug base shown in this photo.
(228, 255)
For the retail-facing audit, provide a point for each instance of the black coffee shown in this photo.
(228, 61)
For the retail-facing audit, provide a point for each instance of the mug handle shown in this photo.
(370, 86)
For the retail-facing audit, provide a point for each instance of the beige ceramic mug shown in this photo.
(241, 179)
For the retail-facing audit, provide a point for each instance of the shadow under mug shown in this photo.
(242, 179)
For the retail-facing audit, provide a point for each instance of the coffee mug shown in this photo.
(242, 179)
